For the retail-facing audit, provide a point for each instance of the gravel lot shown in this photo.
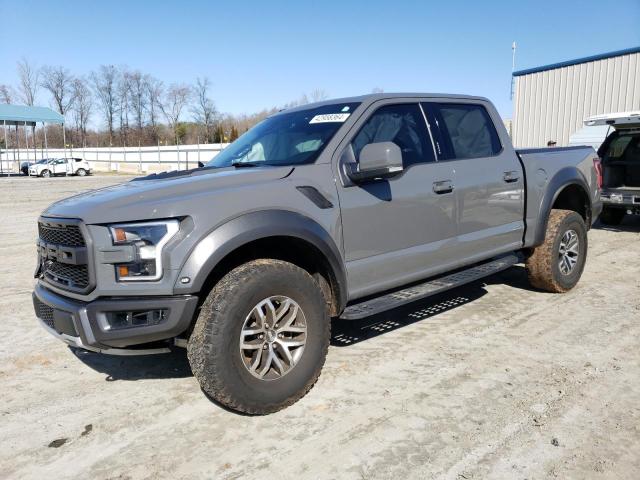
(493, 380)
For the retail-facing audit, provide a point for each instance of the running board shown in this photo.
(427, 289)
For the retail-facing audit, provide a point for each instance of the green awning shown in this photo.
(19, 114)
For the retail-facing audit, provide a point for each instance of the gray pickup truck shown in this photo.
(344, 208)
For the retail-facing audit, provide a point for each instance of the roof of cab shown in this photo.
(374, 97)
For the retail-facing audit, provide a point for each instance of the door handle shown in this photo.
(511, 177)
(443, 186)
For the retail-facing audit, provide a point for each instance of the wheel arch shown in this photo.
(567, 190)
(279, 234)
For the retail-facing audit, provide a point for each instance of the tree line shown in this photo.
(134, 108)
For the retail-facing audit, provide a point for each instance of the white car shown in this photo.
(61, 166)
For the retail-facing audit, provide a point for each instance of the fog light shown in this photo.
(147, 318)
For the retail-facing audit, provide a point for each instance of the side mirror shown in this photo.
(377, 160)
(200, 164)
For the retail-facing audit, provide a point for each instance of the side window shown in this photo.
(402, 124)
(468, 130)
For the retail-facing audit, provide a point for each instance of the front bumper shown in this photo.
(82, 324)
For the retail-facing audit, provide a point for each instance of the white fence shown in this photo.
(119, 159)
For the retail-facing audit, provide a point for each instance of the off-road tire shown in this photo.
(81, 172)
(542, 266)
(213, 348)
(46, 174)
(612, 216)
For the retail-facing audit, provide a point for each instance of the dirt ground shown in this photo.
(493, 380)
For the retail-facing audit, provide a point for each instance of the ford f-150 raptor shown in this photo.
(343, 208)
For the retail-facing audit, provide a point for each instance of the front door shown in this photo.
(400, 229)
(60, 166)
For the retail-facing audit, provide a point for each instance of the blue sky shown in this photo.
(263, 54)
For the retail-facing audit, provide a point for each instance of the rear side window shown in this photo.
(402, 124)
(466, 130)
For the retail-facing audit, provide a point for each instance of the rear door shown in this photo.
(402, 228)
(488, 178)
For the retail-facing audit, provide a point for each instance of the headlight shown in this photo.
(148, 238)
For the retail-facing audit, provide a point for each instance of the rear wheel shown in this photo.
(612, 216)
(261, 337)
(557, 264)
(81, 172)
(46, 173)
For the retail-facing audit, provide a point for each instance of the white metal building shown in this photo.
(551, 102)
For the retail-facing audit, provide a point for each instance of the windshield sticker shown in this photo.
(330, 117)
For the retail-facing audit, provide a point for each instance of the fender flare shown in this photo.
(235, 233)
(564, 178)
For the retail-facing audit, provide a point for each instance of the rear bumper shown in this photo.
(621, 198)
(84, 325)
(628, 200)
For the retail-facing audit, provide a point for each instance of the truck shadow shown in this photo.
(143, 367)
(344, 333)
(630, 223)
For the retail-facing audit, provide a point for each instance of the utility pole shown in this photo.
(513, 65)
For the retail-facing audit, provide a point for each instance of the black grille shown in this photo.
(44, 312)
(73, 276)
(61, 234)
(54, 235)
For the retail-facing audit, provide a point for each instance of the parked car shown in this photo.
(620, 154)
(61, 166)
(344, 208)
(24, 166)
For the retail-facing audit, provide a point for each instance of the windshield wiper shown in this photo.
(247, 164)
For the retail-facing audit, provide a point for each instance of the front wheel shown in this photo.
(557, 264)
(46, 173)
(261, 337)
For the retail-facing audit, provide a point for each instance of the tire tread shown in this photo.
(203, 357)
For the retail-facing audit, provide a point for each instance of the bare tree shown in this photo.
(82, 105)
(58, 81)
(318, 94)
(137, 88)
(175, 99)
(154, 90)
(204, 110)
(29, 82)
(124, 103)
(105, 87)
(6, 94)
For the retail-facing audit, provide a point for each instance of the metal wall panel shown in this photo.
(552, 104)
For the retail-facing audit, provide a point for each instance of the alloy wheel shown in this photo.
(568, 252)
(273, 337)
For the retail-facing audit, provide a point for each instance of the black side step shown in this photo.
(427, 289)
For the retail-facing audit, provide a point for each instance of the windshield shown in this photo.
(286, 139)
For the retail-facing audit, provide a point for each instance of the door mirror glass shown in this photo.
(377, 160)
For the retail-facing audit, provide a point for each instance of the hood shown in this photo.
(160, 196)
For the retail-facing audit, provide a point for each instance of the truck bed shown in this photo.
(544, 166)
